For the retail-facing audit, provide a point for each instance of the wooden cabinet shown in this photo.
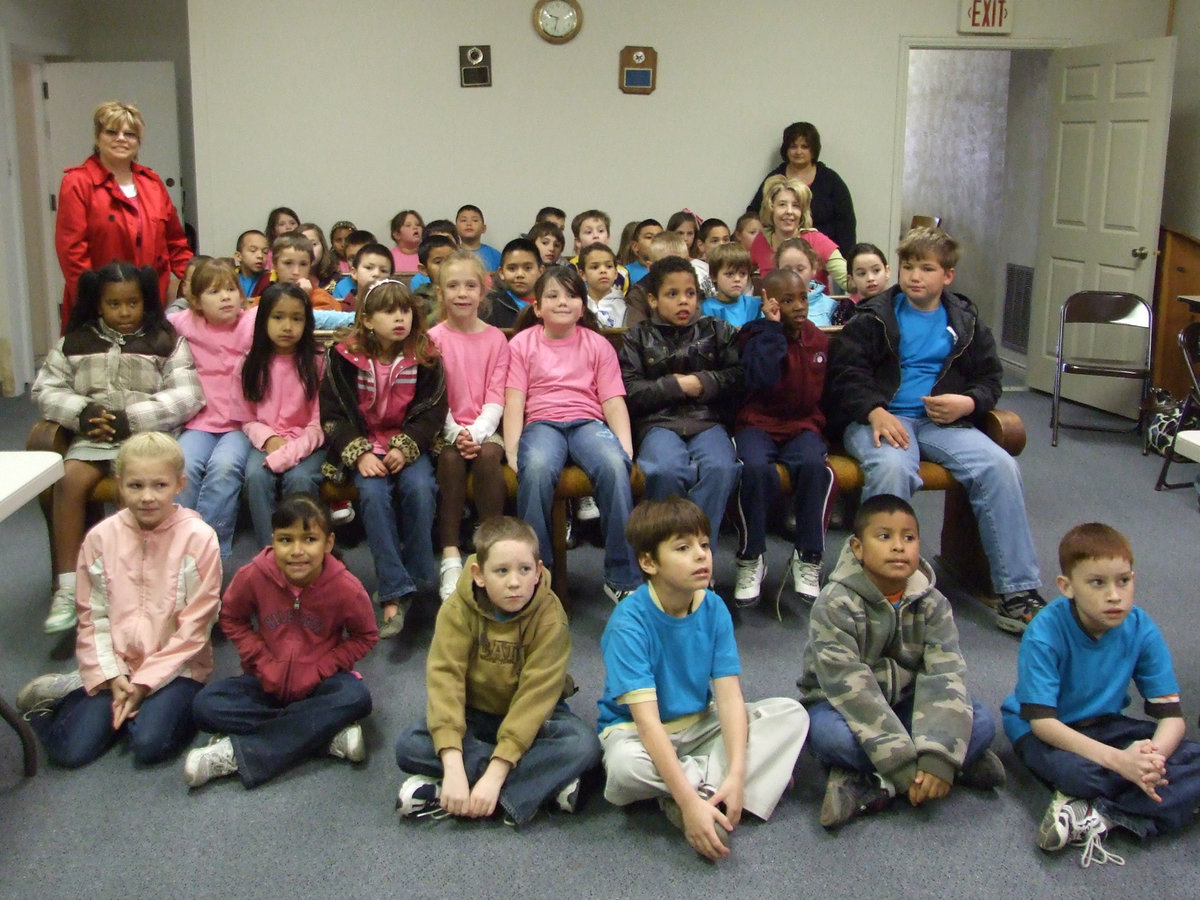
(1178, 273)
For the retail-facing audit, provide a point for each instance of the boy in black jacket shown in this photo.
(911, 376)
(682, 374)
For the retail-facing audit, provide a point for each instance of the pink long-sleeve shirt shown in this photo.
(218, 353)
(476, 370)
(285, 412)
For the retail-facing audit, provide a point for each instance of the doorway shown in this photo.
(975, 141)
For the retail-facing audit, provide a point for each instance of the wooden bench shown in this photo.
(961, 551)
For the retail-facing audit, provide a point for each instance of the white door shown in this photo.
(72, 92)
(1101, 202)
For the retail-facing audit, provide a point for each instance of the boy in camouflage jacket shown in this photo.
(884, 680)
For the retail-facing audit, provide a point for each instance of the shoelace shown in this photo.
(1094, 851)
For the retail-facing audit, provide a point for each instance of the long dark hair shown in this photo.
(91, 284)
(256, 370)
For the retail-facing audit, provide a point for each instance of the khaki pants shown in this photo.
(778, 727)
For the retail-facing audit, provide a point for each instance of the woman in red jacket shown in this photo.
(111, 208)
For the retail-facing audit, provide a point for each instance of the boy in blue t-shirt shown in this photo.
(729, 268)
(661, 732)
(468, 221)
(911, 376)
(1065, 717)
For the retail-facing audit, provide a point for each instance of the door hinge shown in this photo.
(53, 203)
(45, 90)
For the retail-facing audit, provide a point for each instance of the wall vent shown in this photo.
(1018, 298)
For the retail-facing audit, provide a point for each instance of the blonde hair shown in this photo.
(772, 188)
(668, 243)
(153, 445)
(115, 114)
(467, 257)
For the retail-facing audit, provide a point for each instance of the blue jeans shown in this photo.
(397, 513)
(79, 728)
(565, 747)
(1121, 800)
(990, 476)
(812, 487)
(833, 743)
(263, 487)
(702, 468)
(270, 736)
(214, 465)
(541, 455)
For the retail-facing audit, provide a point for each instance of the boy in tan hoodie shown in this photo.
(497, 729)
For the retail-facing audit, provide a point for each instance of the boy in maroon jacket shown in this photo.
(300, 621)
(784, 357)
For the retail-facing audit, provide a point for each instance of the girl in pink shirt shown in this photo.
(218, 330)
(564, 398)
(475, 356)
(280, 378)
(407, 230)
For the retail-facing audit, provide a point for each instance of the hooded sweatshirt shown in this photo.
(865, 656)
(514, 667)
(302, 635)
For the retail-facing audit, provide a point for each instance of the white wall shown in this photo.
(373, 120)
(1181, 190)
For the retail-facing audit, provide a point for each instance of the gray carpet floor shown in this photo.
(329, 829)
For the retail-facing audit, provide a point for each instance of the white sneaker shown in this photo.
(341, 513)
(419, 796)
(616, 594)
(587, 510)
(62, 611)
(214, 760)
(750, 575)
(451, 570)
(44, 690)
(806, 577)
(568, 798)
(348, 744)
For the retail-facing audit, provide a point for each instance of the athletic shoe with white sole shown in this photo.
(44, 691)
(62, 611)
(348, 744)
(587, 510)
(750, 575)
(216, 759)
(419, 796)
(451, 569)
(806, 575)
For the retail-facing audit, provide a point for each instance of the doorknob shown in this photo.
(1141, 252)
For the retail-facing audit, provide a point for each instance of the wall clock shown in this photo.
(557, 21)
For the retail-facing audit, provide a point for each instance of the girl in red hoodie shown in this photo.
(300, 621)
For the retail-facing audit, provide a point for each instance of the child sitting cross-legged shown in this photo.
(300, 621)
(664, 738)
(497, 728)
(1065, 717)
(884, 680)
(149, 581)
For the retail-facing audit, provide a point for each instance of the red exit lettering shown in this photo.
(988, 13)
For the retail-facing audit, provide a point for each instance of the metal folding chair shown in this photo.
(1102, 308)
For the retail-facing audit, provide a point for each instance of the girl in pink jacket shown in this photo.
(149, 581)
(280, 377)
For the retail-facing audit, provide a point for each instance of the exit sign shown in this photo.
(985, 16)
